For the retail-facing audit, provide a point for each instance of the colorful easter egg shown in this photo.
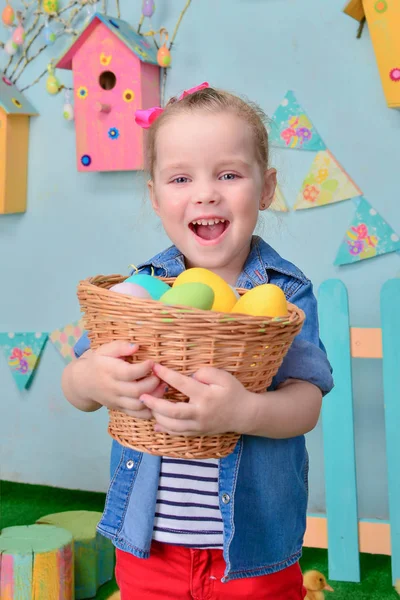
(164, 56)
(53, 86)
(49, 35)
(18, 36)
(10, 47)
(68, 111)
(148, 8)
(195, 295)
(224, 296)
(267, 300)
(8, 15)
(50, 6)
(153, 285)
(130, 289)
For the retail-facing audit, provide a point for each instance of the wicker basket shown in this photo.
(184, 339)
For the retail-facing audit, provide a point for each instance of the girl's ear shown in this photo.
(268, 191)
(153, 199)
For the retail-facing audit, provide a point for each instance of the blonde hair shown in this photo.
(214, 101)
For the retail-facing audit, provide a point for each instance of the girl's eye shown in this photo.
(180, 180)
(228, 176)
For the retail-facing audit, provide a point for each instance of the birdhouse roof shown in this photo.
(12, 101)
(139, 45)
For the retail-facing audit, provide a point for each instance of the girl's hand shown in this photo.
(106, 379)
(216, 402)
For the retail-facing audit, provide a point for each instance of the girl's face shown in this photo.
(208, 188)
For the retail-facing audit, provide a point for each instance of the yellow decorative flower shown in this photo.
(82, 92)
(16, 102)
(105, 59)
(128, 95)
(322, 175)
(139, 51)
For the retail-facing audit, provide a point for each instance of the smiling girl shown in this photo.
(210, 529)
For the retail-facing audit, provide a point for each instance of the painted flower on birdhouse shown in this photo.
(105, 59)
(113, 133)
(82, 92)
(395, 74)
(129, 95)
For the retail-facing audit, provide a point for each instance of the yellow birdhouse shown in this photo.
(383, 18)
(15, 111)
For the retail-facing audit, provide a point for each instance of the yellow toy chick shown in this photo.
(315, 583)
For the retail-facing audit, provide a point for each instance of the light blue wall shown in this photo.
(84, 224)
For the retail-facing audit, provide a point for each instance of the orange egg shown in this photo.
(164, 56)
(8, 15)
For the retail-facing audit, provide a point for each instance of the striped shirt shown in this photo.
(187, 509)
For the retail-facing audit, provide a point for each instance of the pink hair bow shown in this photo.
(145, 118)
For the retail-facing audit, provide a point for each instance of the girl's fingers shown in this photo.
(187, 385)
(117, 349)
(125, 403)
(175, 426)
(139, 414)
(131, 372)
(135, 389)
(173, 410)
(160, 390)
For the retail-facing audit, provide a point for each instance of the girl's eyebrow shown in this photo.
(234, 161)
(226, 162)
(174, 167)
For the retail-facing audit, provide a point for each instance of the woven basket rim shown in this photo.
(295, 313)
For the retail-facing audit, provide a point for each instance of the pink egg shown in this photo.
(130, 289)
(18, 35)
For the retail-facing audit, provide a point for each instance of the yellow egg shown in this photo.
(266, 300)
(224, 296)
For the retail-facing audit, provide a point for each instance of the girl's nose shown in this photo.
(206, 196)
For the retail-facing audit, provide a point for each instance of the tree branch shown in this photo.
(26, 63)
(179, 22)
(35, 82)
(24, 55)
(164, 75)
(140, 23)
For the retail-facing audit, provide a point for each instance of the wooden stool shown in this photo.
(94, 554)
(36, 561)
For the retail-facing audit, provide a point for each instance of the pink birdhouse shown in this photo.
(115, 72)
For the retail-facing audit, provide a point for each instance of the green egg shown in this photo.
(195, 295)
(154, 286)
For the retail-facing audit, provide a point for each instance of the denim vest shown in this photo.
(263, 484)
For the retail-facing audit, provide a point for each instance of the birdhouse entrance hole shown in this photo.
(107, 80)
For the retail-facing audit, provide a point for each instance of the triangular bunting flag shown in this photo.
(279, 202)
(64, 339)
(291, 127)
(327, 182)
(22, 352)
(368, 235)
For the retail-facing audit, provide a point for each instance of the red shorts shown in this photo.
(178, 573)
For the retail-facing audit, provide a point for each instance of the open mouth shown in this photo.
(209, 230)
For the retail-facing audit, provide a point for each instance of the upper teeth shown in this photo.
(208, 222)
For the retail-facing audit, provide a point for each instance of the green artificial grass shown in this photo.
(23, 504)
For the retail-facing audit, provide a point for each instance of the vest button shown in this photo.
(130, 464)
(225, 498)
